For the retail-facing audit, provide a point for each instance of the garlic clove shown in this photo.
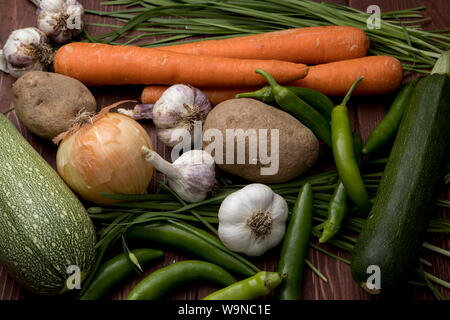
(235, 237)
(278, 208)
(260, 196)
(173, 136)
(232, 204)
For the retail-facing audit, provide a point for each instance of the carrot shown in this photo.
(102, 64)
(312, 45)
(382, 74)
(151, 94)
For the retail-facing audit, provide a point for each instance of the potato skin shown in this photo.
(298, 146)
(47, 103)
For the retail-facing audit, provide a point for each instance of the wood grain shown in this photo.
(366, 112)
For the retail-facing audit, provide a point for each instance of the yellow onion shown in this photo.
(104, 155)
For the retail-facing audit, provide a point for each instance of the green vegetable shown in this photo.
(344, 154)
(114, 271)
(251, 288)
(392, 235)
(388, 126)
(292, 104)
(339, 207)
(44, 228)
(295, 245)
(162, 281)
(337, 211)
(314, 98)
(194, 241)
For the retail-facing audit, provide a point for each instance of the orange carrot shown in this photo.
(312, 45)
(382, 74)
(102, 64)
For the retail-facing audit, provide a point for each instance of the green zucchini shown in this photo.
(392, 236)
(44, 228)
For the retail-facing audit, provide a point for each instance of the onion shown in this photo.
(104, 155)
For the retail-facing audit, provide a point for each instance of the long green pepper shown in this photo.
(114, 271)
(162, 281)
(344, 154)
(292, 104)
(314, 98)
(390, 123)
(295, 245)
(248, 289)
(339, 207)
(192, 240)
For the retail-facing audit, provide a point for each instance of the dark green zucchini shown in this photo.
(392, 236)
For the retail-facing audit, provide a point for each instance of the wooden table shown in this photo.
(365, 114)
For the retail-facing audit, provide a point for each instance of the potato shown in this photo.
(296, 152)
(48, 103)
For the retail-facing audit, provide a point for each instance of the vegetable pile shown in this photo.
(247, 112)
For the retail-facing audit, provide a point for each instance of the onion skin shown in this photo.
(105, 156)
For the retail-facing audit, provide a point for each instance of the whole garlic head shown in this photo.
(60, 20)
(175, 113)
(252, 220)
(192, 176)
(26, 50)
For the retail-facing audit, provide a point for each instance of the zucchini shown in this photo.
(392, 236)
(44, 228)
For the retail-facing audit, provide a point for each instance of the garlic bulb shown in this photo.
(191, 176)
(104, 155)
(252, 220)
(26, 50)
(175, 113)
(60, 20)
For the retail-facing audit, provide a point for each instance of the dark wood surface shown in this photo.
(366, 112)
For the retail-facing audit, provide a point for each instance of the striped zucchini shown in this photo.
(44, 228)
(393, 233)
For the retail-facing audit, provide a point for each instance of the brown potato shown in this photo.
(48, 103)
(297, 151)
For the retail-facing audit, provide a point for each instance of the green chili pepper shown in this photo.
(114, 271)
(344, 154)
(295, 245)
(338, 207)
(314, 98)
(337, 211)
(389, 125)
(292, 104)
(248, 289)
(195, 241)
(160, 282)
